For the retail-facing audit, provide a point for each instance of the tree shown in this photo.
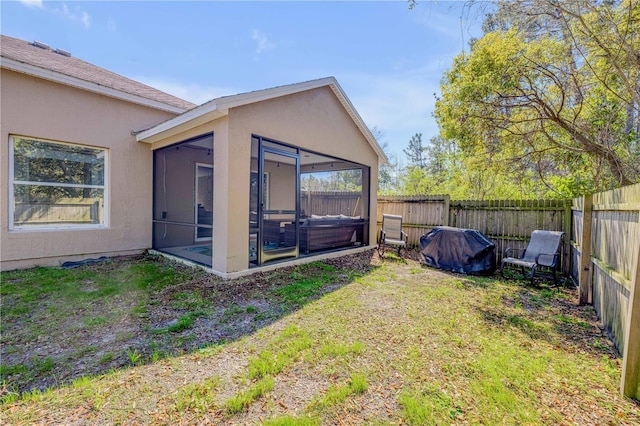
(416, 151)
(551, 93)
(441, 158)
(387, 173)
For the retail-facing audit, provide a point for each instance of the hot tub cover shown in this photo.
(466, 251)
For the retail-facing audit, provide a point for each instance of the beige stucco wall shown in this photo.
(41, 109)
(314, 120)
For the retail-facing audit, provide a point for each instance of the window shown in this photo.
(56, 185)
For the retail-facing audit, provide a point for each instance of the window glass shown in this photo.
(40, 161)
(57, 184)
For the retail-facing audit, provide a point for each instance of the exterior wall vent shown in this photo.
(63, 52)
(41, 45)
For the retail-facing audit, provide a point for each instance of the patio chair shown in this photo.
(543, 250)
(391, 234)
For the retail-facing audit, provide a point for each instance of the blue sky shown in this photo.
(387, 58)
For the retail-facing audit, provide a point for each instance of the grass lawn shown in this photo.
(391, 342)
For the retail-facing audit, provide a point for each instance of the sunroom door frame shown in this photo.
(196, 238)
(280, 252)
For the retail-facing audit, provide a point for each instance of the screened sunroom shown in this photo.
(183, 199)
(263, 179)
(306, 203)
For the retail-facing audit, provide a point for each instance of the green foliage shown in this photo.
(387, 173)
(430, 406)
(416, 152)
(308, 283)
(134, 356)
(546, 107)
(108, 357)
(5, 369)
(332, 180)
(287, 349)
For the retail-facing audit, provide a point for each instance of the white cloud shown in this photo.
(82, 17)
(262, 41)
(194, 93)
(32, 3)
(85, 19)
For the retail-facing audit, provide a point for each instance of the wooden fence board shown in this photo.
(630, 381)
(613, 265)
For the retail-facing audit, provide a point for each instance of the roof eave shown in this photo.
(220, 107)
(189, 120)
(57, 77)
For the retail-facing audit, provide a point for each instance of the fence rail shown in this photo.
(322, 203)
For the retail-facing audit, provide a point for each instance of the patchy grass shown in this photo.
(395, 343)
(58, 325)
(243, 400)
(197, 397)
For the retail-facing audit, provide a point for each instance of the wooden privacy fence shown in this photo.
(506, 223)
(605, 252)
(419, 214)
(336, 202)
(46, 213)
(601, 249)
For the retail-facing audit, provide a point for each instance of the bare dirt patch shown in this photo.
(52, 344)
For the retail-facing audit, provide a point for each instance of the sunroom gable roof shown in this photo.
(220, 107)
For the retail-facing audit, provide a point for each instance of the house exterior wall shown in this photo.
(313, 120)
(42, 109)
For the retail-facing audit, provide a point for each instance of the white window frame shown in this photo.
(50, 227)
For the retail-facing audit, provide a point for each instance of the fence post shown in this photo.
(584, 272)
(445, 211)
(566, 227)
(630, 382)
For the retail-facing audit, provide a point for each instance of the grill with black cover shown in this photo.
(465, 251)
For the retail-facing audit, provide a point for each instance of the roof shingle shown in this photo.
(47, 59)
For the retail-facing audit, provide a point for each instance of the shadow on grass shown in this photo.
(545, 312)
(155, 308)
